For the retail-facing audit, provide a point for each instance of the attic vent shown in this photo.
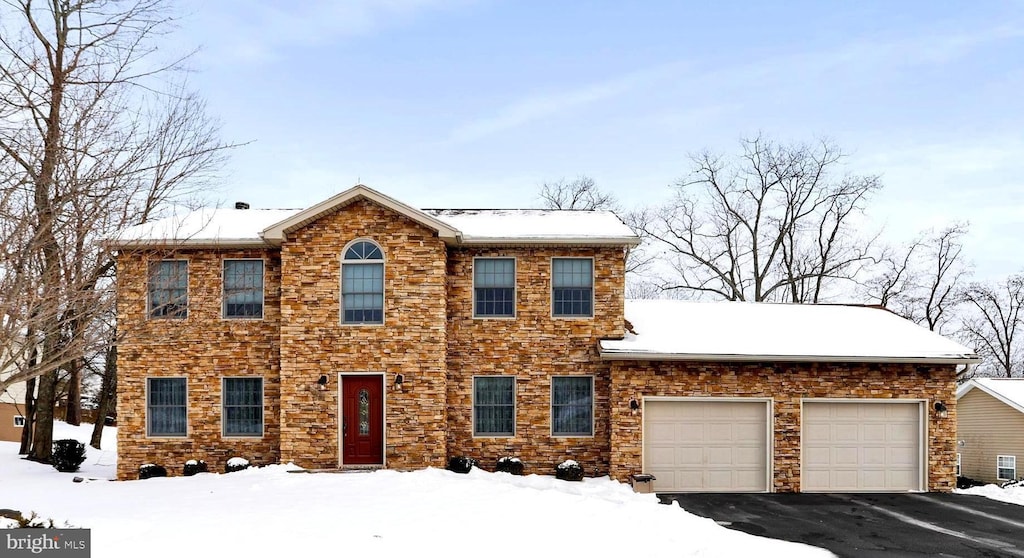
(241, 205)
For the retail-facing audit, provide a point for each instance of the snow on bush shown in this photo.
(193, 466)
(569, 470)
(149, 470)
(236, 464)
(68, 455)
(461, 464)
(511, 465)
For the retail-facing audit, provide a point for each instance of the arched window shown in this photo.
(362, 284)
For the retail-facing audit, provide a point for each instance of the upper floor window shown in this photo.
(572, 287)
(243, 406)
(168, 289)
(166, 410)
(362, 284)
(494, 287)
(243, 288)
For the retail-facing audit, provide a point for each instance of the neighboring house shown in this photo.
(361, 332)
(990, 429)
(12, 418)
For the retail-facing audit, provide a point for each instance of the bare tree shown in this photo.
(922, 281)
(993, 324)
(580, 193)
(96, 134)
(773, 224)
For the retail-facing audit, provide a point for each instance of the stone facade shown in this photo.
(787, 384)
(431, 338)
(532, 347)
(203, 347)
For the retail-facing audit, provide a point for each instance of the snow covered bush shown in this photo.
(193, 466)
(236, 464)
(1012, 483)
(967, 482)
(150, 470)
(569, 470)
(461, 464)
(68, 455)
(511, 465)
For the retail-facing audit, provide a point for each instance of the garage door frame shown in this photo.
(922, 434)
(769, 405)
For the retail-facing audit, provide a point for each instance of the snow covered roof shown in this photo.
(745, 331)
(260, 227)
(1007, 390)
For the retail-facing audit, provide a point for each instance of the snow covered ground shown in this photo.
(271, 512)
(1011, 494)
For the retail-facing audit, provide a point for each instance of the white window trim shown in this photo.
(593, 408)
(958, 468)
(384, 284)
(515, 287)
(188, 426)
(223, 413)
(16, 421)
(551, 287)
(515, 406)
(223, 286)
(188, 289)
(1013, 460)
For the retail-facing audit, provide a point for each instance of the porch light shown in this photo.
(940, 408)
(399, 380)
(322, 382)
(634, 405)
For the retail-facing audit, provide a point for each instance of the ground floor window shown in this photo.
(243, 406)
(19, 421)
(166, 412)
(572, 406)
(1006, 467)
(958, 465)
(494, 406)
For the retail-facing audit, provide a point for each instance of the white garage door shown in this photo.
(861, 446)
(706, 446)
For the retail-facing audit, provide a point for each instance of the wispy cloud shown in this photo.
(256, 30)
(538, 107)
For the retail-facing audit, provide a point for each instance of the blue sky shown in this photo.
(463, 103)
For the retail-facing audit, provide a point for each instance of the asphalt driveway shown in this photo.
(871, 524)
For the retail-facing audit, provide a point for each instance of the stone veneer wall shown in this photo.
(412, 340)
(203, 347)
(533, 347)
(787, 383)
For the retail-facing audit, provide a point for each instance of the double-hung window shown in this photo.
(243, 406)
(168, 289)
(166, 402)
(362, 284)
(243, 288)
(1006, 467)
(572, 287)
(19, 421)
(494, 406)
(494, 287)
(572, 406)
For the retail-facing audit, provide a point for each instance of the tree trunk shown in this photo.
(73, 412)
(108, 396)
(42, 446)
(30, 417)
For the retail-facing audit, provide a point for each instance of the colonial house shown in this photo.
(990, 429)
(361, 332)
(12, 414)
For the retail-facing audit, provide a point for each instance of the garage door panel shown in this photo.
(849, 446)
(716, 445)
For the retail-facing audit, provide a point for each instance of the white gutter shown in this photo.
(652, 356)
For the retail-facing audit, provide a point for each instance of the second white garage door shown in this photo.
(852, 446)
(706, 445)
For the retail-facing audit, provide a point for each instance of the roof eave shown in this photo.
(644, 355)
(966, 388)
(279, 231)
(189, 243)
(629, 241)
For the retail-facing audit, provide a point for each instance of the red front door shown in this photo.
(362, 420)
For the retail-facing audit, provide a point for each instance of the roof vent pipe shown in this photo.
(241, 205)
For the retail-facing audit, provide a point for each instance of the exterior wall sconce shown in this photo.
(399, 380)
(322, 382)
(940, 409)
(634, 405)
